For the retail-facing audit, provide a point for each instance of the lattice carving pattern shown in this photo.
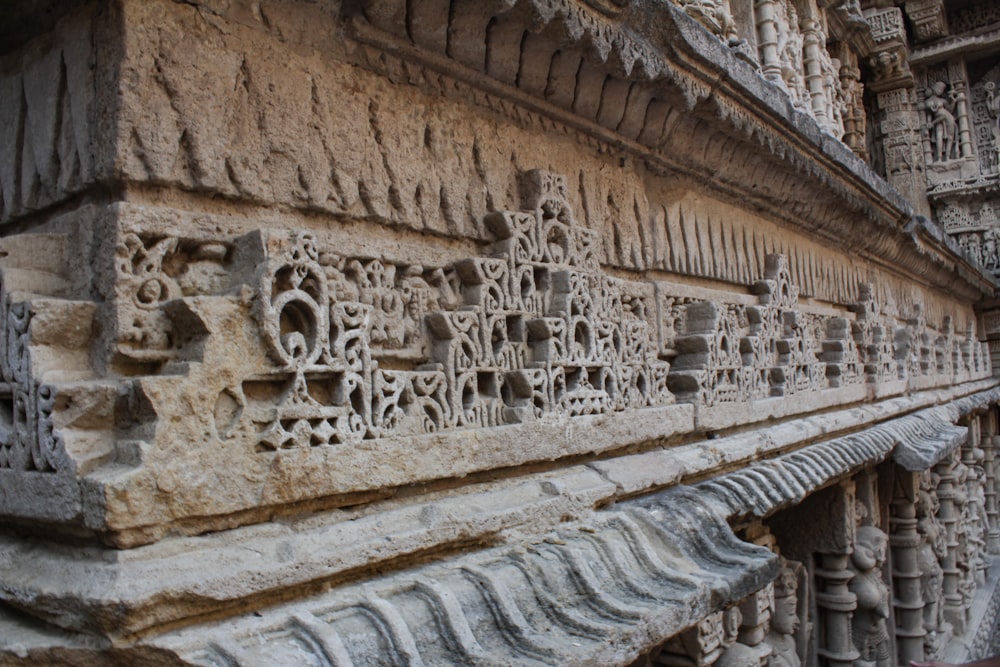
(533, 328)
(366, 349)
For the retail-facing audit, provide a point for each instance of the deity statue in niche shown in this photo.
(993, 109)
(932, 549)
(784, 620)
(871, 638)
(989, 249)
(942, 127)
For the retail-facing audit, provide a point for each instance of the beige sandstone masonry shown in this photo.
(501, 332)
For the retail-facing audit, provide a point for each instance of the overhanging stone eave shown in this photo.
(599, 592)
(620, 560)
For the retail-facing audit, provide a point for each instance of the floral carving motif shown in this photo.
(28, 441)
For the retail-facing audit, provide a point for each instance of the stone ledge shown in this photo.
(123, 592)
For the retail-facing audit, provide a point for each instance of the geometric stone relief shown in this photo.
(873, 334)
(967, 18)
(150, 272)
(365, 348)
(535, 327)
(733, 353)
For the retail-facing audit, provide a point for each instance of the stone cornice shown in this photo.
(688, 107)
(120, 592)
(960, 45)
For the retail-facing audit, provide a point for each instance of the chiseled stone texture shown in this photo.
(360, 315)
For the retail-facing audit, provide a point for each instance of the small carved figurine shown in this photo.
(941, 121)
(784, 621)
(869, 630)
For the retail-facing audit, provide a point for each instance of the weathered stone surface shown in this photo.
(521, 332)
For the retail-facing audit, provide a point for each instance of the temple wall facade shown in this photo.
(514, 332)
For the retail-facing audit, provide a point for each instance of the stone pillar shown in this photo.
(904, 541)
(767, 40)
(813, 41)
(990, 443)
(962, 113)
(836, 603)
(954, 610)
(898, 114)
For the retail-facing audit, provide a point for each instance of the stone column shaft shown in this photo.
(767, 38)
(904, 541)
(836, 604)
(993, 520)
(954, 610)
(813, 41)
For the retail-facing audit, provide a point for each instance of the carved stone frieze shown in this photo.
(152, 271)
(963, 18)
(303, 361)
(873, 334)
(502, 339)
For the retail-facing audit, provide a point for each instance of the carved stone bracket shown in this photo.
(928, 19)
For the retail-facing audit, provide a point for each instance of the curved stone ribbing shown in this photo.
(594, 593)
(916, 442)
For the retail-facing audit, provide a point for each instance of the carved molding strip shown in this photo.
(674, 82)
(28, 441)
(365, 349)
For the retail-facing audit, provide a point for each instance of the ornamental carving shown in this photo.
(733, 353)
(151, 271)
(366, 349)
(28, 441)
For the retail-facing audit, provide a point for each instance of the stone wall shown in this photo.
(476, 333)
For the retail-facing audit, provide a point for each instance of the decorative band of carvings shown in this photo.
(638, 574)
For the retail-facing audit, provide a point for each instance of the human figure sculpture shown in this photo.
(784, 621)
(869, 628)
(941, 121)
(932, 549)
(993, 109)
